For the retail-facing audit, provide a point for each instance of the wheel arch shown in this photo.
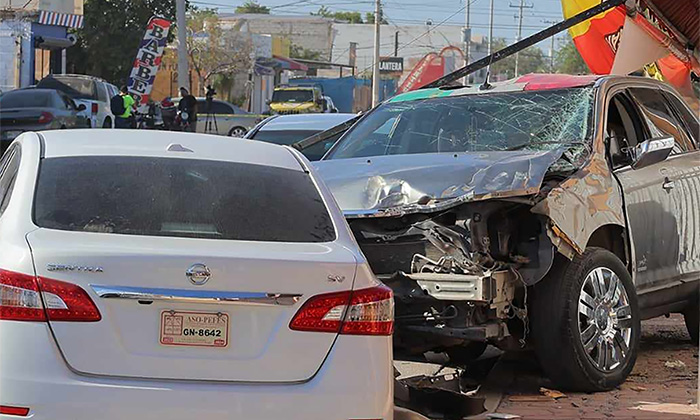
(613, 238)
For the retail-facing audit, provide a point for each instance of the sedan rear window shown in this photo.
(180, 198)
(285, 137)
(25, 99)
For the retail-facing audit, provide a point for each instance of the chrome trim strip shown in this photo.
(195, 296)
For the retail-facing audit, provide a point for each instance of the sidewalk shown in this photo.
(658, 377)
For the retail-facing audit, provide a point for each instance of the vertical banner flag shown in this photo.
(148, 59)
(613, 42)
(597, 39)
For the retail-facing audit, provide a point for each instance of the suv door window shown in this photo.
(623, 130)
(660, 119)
(67, 102)
(691, 122)
(9, 166)
(102, 93)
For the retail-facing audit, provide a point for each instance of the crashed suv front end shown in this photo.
(461, 198)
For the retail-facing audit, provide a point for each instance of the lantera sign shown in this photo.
(391, 64)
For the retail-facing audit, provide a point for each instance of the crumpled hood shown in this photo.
(401, 184)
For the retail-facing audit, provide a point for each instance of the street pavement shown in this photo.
(665, 373)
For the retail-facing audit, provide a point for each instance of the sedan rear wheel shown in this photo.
(586, 322)
(237, 132)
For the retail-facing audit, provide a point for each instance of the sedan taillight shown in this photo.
(19, 298)
(359, 312)
(45, 118)
(27, 298)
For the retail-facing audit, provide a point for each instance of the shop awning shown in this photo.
(61, 19)
(290, 64)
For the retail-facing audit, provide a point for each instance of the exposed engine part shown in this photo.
(494, 288)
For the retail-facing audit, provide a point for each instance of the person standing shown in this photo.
(121, 106)
(188, 104)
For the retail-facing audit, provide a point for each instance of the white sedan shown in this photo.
(160, 275)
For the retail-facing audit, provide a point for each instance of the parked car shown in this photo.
(142, 268)
(552, 211)
(90, 91)
(291, 129)
(298, 99)
(224, 118)
(33, 109)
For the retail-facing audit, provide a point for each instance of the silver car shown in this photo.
(33, 109)
(223, 118)
(550, 211)
(302, 131)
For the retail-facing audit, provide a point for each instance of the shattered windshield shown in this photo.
(537, 120)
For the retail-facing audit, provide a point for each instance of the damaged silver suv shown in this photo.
(548, 211)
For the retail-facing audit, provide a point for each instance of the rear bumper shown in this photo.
(355, 382)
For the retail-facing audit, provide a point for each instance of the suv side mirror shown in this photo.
(652, 151)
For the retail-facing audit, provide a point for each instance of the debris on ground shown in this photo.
(447, 396)
(668, 408)
(502, 416)
(529, 398)
(638, 388)
(674, 364)
(551, 393)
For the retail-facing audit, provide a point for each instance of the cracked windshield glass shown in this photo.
(541, 120)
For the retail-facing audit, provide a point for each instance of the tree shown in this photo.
(569, 61)
(253, 7)
(297, 51)
(531, 60)
(350, 17)
(369, 17)
(214, 51)
(111, 35)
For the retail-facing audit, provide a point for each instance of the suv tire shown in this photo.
(571, 307)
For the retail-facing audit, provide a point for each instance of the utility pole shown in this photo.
(522, 6)
(183, 71)
(396, 44)
(467, 35)
(375, 73)
(491, 31)
(551, 47)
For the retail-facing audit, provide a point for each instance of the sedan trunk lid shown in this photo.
(138, 283)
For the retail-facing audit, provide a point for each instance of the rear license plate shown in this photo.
(198, 329)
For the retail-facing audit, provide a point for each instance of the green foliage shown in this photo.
(569, 61)
(369, 17)
(215, 54)
(111, 35)
(350, 17)
(297, 51)
(531, 60)
(254, 7)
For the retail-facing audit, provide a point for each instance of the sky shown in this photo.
(415, 12)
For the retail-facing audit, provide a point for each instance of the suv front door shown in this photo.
(653, 228)
(662, 112)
